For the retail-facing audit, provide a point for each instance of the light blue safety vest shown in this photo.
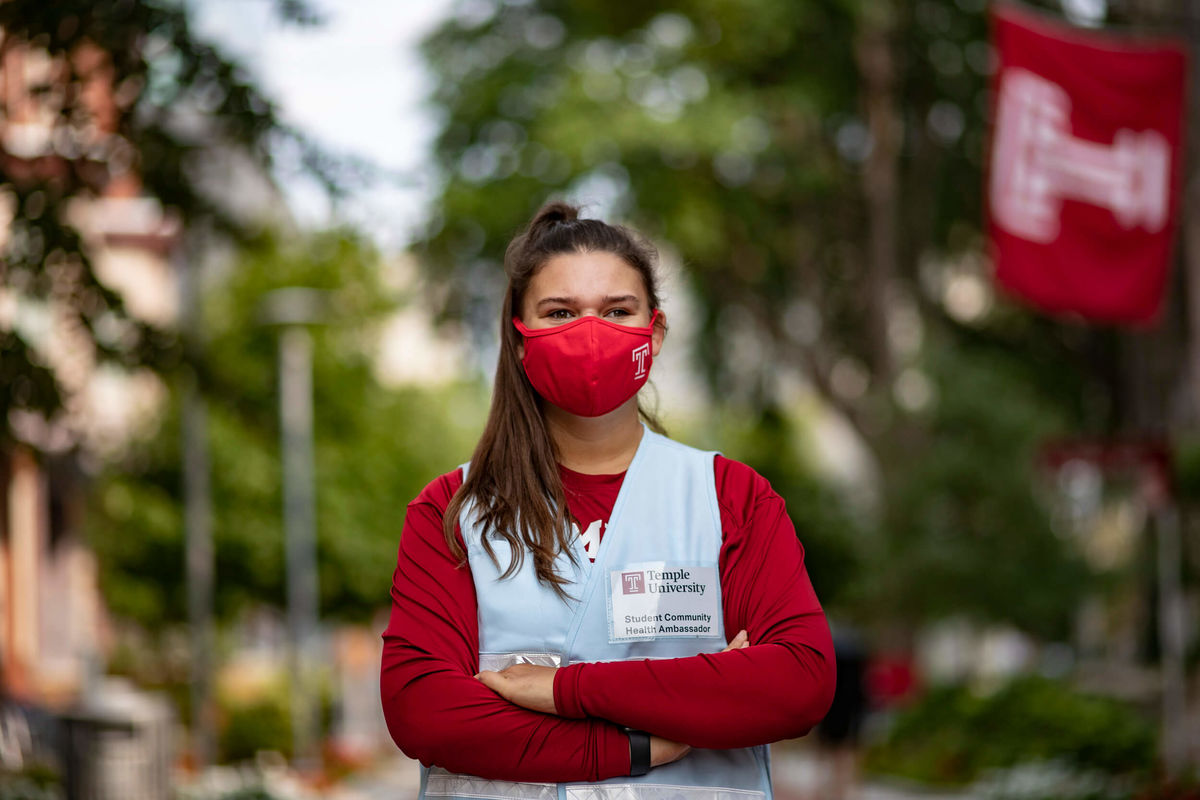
(662, 542)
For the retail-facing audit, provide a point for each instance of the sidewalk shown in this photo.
(396, 779)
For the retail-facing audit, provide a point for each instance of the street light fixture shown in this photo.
(293, 310)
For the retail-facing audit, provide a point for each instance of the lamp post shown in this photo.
(293, 310)
(199, 555)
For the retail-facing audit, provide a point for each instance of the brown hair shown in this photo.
(513, 485)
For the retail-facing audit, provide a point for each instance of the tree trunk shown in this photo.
(874, 53)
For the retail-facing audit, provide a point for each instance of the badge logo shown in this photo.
(633, 583)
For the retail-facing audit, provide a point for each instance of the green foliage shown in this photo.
(952, 735)
(375, 448)
(961, 510)
(36, 782)
(259, 719)
(1056, 780)
(265, 724)
(178, 107)
(1186, 469)
(832, 536)
(250, 793)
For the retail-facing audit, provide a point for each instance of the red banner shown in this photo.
(1085, 169)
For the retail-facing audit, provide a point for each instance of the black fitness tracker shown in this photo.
(639, 753)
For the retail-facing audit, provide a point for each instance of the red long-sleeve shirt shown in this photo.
(776, 689)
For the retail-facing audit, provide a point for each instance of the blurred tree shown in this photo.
(375, 449)
(817, 166)
(119, 98)
(828, 529)
(956, 734)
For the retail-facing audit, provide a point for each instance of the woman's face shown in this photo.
(600, 284)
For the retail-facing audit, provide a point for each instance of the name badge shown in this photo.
(657, 600)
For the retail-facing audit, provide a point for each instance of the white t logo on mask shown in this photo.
(640, 354)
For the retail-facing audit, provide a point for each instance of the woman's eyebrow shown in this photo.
(562, 301)
(571, 301)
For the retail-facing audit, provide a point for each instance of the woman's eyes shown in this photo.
(563, 313)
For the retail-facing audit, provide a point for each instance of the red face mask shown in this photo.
(588, 366)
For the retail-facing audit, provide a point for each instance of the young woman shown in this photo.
(588, 609)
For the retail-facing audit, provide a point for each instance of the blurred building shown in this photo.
(54, 630)
(52, 622)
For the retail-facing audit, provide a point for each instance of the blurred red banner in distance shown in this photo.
(1085, 166)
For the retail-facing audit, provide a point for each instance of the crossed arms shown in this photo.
(779, 687)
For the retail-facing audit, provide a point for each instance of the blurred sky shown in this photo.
(355, 83)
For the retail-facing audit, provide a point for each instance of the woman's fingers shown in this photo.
(738, 642)
(664, 751)
(492, 680)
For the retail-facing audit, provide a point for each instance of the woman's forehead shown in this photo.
(595, 273)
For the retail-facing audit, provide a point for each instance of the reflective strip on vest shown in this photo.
(449, 785)
(494, 662)
(654, 791)
(441, 783)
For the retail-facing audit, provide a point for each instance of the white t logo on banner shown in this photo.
(1036, 163)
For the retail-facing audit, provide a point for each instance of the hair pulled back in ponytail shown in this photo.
(513, 486)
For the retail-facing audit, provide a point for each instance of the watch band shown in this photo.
(639, 753)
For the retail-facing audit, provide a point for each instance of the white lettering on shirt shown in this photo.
(590, 537)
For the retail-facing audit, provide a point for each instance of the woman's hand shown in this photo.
(528, 685)
(738, 642)
(664, 751)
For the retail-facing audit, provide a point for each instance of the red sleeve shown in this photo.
(436, 711)
(778, 688)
